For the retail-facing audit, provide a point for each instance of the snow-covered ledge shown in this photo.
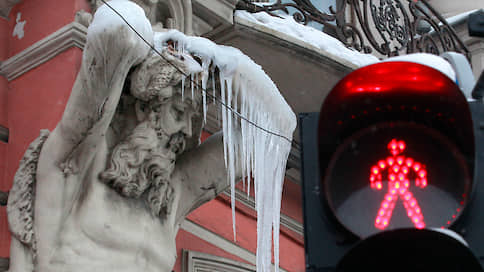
(307, 37)
(304, 70)
(474, 44)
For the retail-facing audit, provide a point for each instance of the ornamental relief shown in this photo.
(6, 6)
(173, 14)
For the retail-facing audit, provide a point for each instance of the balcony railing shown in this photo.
(382, 27)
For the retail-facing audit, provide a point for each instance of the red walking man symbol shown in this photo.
(398, 185)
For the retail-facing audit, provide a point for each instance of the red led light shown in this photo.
(382, 164)
(409, 162)
(396, 175)
(390, 161)
(423, 183)
(401, 145)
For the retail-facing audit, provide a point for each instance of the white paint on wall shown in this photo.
(18, 30)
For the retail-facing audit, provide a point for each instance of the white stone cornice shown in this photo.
(6, 6)
(193, 261)
(71, 35)
(220, 242)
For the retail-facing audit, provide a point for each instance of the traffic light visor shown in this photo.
(410, 250)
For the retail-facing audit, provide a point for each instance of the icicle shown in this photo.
(204, 101)
(213, 86)
(192, 80)
(258, 155)
(243, 123)
(183, 88)
(223, 111)
(219, 110)
(230, 149)
(205, 74)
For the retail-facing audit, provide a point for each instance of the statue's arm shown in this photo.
(111, 50)
(203, 173)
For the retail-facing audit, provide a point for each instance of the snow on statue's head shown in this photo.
(145, 159)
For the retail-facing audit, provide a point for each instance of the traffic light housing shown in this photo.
(428, 120)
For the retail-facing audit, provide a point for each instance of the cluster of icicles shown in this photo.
(245, 88)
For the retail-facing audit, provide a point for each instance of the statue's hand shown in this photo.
(152, 77)
(108, 34)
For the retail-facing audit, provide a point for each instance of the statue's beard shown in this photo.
(142, 166)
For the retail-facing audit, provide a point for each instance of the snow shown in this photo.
(247, 89)
(452, 234)
(106, 21)
(459, 17)
(323, 41)
(134, 15)
(316, 38)
(430, 60)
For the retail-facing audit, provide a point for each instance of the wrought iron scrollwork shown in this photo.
(304, 11)
(389, 27)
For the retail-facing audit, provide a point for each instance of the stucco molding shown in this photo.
(218, 241)
(194, 261)
(71, 35)
(6, 6)
(222, 243)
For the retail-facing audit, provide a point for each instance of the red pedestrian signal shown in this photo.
(394, 147)
(399, 170)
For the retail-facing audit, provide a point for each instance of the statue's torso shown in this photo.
(105, 231)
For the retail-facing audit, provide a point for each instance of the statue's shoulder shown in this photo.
(21, 198)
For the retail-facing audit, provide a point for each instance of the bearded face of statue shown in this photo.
(141, 165)
(171, 117)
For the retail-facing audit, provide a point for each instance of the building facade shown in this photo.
(41, 54)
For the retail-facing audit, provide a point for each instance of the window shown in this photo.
(201, 262)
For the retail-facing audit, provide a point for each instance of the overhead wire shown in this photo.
(236, 113)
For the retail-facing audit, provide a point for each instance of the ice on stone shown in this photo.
(246, 91)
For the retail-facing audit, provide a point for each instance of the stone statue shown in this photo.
(108, 188)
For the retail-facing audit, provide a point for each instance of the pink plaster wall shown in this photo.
(42, 17)
(216, 217)
(292, 200)
(4, 234)
(36, 100)
(4, 31)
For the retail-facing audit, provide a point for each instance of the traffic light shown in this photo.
(393, 155)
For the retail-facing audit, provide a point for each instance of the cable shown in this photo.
(192, 81)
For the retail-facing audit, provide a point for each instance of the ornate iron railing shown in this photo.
(389, 27)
